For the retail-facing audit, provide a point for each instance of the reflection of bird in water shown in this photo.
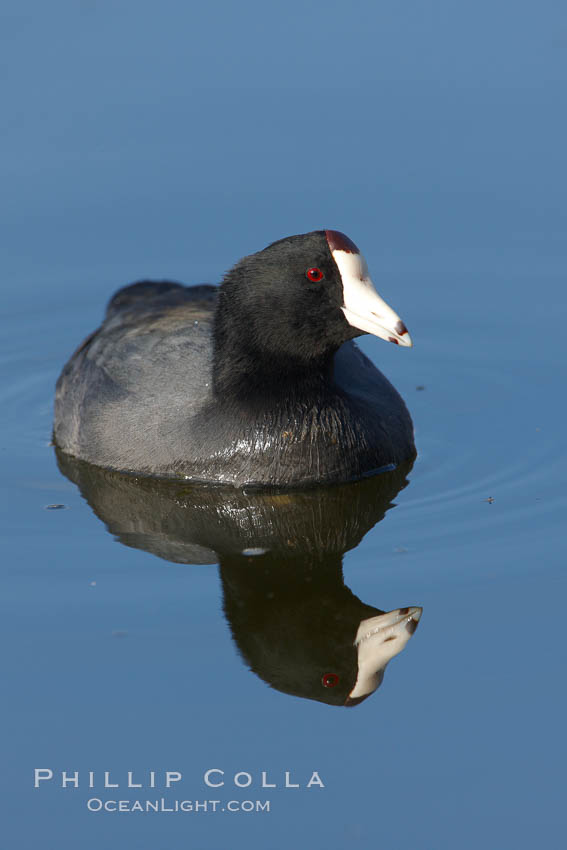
(293, 619)
(304, 632)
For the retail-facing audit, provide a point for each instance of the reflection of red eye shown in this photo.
(329, 680)
(314, 274)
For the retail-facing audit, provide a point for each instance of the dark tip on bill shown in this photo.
(401, 328)
(411, 626)
(352, 701)
(391, 339)
(339, 242)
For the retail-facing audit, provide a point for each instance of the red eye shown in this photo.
(329, 680)
(314, 274)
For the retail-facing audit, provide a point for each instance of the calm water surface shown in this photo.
(128, 648)
(121, 656)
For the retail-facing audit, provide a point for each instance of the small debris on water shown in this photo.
(119, 634)
(92, 584)
(489, 500)
(420, 387)
(55, 507)
(401, 550)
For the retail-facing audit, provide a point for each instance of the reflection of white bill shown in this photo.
(378, 640)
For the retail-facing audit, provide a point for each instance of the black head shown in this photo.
(304, 633)
(290, 306)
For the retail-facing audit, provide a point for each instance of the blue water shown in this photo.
(146, 141)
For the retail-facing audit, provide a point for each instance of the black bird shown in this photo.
(256, 382)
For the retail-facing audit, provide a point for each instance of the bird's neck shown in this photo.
(244, 373)
(247, 378)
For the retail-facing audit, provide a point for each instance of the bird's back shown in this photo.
(126, 394)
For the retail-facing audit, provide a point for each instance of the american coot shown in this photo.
(255, 382)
